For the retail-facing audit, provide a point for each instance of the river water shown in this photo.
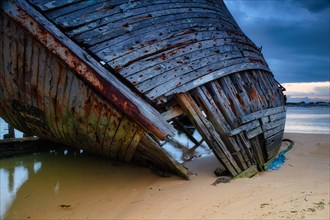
(31, 181)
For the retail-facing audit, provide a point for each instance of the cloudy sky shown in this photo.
(294, 35)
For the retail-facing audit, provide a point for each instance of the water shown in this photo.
(314, 120)
(57, 176)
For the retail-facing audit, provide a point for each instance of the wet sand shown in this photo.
(94, 188)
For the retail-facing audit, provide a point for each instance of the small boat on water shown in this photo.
(117, 77)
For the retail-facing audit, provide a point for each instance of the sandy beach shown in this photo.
(299, 190)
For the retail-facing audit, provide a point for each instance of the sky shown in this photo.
(294, 35)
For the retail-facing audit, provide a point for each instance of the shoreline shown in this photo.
(298, 190)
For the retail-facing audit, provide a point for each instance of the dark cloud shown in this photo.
(314, 5)
(294, 35)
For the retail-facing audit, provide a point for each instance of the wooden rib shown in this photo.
(48, 103)
(223, 103)
(113, 124)
(119, 137)
(59, 93)
(28, 68)
(127, 139)
(34, 73)
(207, 130)
(3, 90)
(8, 69)
(172, 113)
(20, 64)
(261, 113)
(41, 78)
(220, 124)
(66, 126)
(133, 145)
(53, 72)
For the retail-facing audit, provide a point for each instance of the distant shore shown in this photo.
(299, 190)
(308, 104)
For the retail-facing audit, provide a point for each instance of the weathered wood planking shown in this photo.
(86, 67)
(187, 53)
(250, 126)
(59, 106)
(157, 43)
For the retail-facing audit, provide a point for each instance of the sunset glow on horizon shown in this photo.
(307, 91)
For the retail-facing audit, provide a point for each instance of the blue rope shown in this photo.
(280, 159)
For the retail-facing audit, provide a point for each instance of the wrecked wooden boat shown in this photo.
(116, 77)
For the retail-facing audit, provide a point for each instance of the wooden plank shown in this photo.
(9, 71)
(273, 124)
(164, 27)
(259, 150)
(254, 132)
(119, 137)
(133, 145)
(28, 68)
(34, 73)
(51, 5)
(246, 127)
(41, 79)
(175, 59)
(59, 94)
(48, 104)
(74, 124)
(188, 71)
(65, 100)
(274, 130)
(241, 65)
(157, 34)
(210, 136)
(231, 93)
(128, 138)
(113, 124)
(244, 98)
(219, 122)
(3, 89)
(156, 9)
(172, 113)
(253, 87)
(213, 114)
(264, 120)
(88, 69)
(199, 77)
(277, 116)
(70, 8)
(261, 113)
(20, 64)
(223, 103)
(274, 141)
(245, 147)
(55, 69)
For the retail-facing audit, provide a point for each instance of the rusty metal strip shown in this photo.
(86, 67)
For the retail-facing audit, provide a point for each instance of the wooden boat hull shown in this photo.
(40, 95)
(107, 76)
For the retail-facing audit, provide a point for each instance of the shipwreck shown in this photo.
(117, 77)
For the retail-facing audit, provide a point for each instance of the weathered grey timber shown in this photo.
(48, 88)
(113, 76)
